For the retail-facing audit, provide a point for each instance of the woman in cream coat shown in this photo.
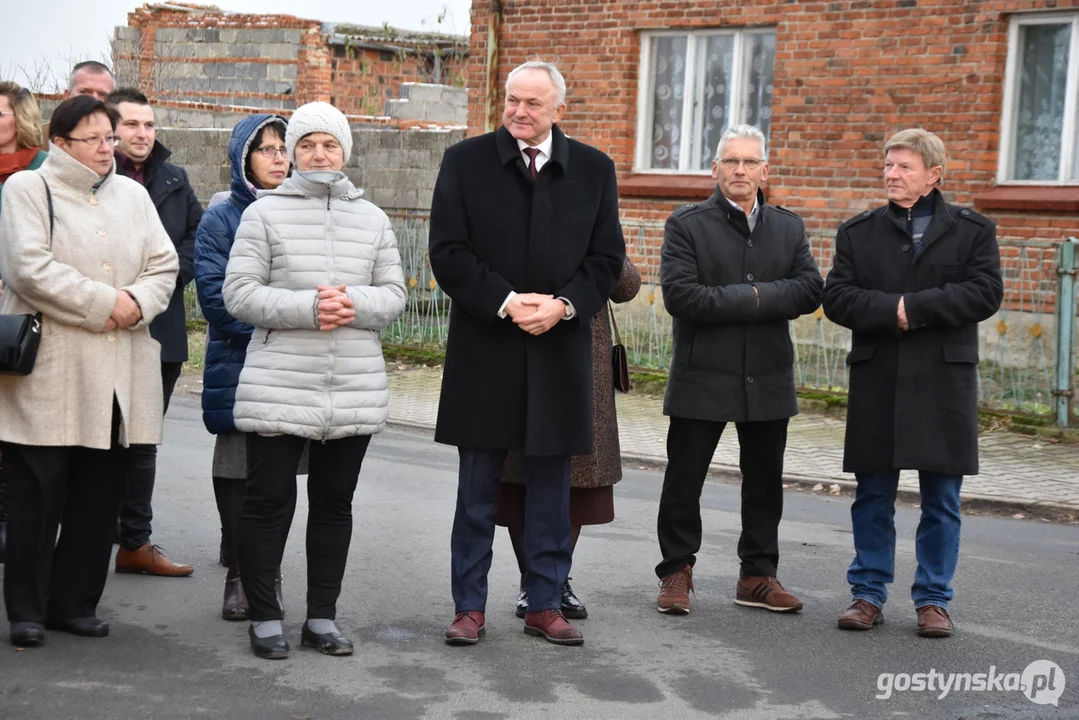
(99, 272)
(315, 270)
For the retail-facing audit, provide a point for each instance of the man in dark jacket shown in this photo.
(912, 279)
(525, 240)
(734, 272)
(139, 156)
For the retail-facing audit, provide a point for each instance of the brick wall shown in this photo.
(202, 54)
(847, 74)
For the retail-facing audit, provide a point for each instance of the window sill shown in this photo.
(645, 185)
(1052, 198)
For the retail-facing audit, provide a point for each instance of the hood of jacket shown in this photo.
(239, 148)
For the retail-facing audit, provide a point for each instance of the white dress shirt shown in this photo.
(541, 160)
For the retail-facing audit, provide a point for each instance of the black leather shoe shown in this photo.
(27, 634)
(326, 643)
(274, 647)
(84, 626)
(572, 608)
(522, 603)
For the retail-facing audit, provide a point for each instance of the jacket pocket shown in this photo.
(949, 272)
(860, 353)
(961, 354)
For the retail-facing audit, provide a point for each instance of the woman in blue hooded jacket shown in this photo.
(259, 162)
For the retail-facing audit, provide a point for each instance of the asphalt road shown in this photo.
(171, 656)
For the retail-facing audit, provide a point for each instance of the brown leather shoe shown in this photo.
(552, 626)
(150, 560)
(766, 592)
(862, 615)
(674, 592)
(933, 622)
(466, 629)
(234, 606)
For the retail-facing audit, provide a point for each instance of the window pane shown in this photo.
(1043, 73)
(668, 90)
(715, 58)
(760, 66)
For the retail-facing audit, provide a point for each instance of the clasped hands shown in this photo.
(901, 311)
(335, 308)
(125, 313)
(535, 313)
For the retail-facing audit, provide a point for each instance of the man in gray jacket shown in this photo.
(734, 272)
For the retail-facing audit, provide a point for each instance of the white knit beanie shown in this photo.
(317, 117)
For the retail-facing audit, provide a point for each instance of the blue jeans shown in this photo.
(936, 544)
(547, 548)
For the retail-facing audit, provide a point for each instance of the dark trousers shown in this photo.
(136, 513)
(547, 549)
(690, 447)
(266, 513)
(77, 489)
(229, 494)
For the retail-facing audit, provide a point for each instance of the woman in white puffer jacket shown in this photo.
(315, 269)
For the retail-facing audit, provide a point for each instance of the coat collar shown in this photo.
(508, 151)
(73, 173)
(730, 211)
(941, 223)
(318, 183)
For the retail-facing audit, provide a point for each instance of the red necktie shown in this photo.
(532, 153)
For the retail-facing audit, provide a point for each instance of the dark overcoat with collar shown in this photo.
(733, 358)
(180, 212)
(913, 400)
(494, 230)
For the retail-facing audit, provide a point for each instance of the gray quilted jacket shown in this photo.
(315, 229)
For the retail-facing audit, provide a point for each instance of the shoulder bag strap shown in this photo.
(614, 324)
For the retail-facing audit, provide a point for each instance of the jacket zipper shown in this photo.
(333, 335)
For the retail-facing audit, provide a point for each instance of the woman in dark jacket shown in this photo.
(592, 477)
(259, 162)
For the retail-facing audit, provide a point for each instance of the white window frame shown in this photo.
(1008, 123)
(690, 126)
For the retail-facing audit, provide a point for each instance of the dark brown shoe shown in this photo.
(766, 592)
(150, 560)
(553, 627)
(234, 606)
(862, 615)
(466, 629)
(674, 592)
(933, 622)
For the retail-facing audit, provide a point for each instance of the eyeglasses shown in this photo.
(732, 163)
(269, 152)
(4, 113)
(95, 140)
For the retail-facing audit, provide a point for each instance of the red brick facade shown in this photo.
(847, 75)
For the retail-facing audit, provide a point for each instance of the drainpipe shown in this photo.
(494, 24)
(1064, 393)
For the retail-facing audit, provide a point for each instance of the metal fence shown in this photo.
(1028, 350)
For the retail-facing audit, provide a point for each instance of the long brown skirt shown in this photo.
(587, 506)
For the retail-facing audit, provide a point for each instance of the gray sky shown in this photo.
(43, 39)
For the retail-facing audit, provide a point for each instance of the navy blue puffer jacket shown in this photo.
(227, 345)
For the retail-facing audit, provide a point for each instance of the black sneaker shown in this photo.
(572, 607)
(522, 603)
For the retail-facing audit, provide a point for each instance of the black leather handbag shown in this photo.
(20, 335)
(619, 359)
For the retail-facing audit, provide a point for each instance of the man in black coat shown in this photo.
(526, 242)
(912, 279)
(734, 271)
(139, 156)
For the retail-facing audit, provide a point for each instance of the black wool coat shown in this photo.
(913, 400)
(180, 212)
(733, 357)
(494, 230)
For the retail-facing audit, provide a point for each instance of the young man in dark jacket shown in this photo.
(734, 272)
(912, 279)
(139, 156)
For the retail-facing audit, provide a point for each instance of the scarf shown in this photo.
(11, 163)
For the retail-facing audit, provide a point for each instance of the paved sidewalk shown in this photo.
(1016, 469)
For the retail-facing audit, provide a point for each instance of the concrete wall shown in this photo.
(436, 103)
